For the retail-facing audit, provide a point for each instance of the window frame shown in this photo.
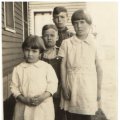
(32, 18)
(5, 20)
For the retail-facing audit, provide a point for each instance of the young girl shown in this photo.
(33, 84)
(81, 72)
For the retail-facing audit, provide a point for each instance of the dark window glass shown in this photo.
(9, 14)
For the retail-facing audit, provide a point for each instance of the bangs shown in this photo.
(81, 15)
(33, 42)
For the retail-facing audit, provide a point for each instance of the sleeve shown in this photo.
(63, 49)
(52, 80)
(14, 85)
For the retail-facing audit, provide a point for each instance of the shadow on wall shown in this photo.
(9, 105)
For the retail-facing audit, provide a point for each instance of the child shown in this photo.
(50, 55)
(60, 18)
(81, 72)
(33, 84)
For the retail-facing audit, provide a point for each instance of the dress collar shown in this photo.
(63, 30)
(26, 65)
(88, 40)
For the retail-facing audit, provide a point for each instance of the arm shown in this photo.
(25, 100)
(99, 78)
(15, 83)
(65, 91)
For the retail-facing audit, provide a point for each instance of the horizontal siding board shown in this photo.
(11, 64)
(11, 39)
(7, 58)
(57, 3)
(8, 68)
(11, 44)
(14, 35)
(10, 51)
(52, 5)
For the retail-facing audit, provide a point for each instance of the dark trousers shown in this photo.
(59, 114)
(72, 116)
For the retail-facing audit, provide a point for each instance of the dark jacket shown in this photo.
(63, 34)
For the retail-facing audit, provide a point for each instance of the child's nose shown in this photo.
(79, 24)
(30, 52)
(49, 37)
(59, 19)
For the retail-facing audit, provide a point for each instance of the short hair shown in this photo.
(81, 14)
(49, 26)
(34, 42)
(58, 10)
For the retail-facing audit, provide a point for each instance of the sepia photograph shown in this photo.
(59, 60)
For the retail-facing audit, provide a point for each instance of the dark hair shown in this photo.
(49, 26)
(81, 14)
(34, 42)
(59, 9)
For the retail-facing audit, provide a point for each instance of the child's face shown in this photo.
(31, 55)
(81, 27)
(50, 37)
(60, 19)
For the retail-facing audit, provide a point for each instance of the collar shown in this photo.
(63, 30)
(54, 48)
(26, 65)
(88, 40)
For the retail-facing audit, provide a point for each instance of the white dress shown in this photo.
(81, 74)
(31, 80)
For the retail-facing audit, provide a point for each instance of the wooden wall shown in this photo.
(11, 46)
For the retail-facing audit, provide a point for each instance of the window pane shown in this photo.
(9, 14)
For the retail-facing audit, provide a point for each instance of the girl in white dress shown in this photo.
(33, 84)
(81, 72)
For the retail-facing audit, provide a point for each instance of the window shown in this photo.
(25, 19)
(9, 16)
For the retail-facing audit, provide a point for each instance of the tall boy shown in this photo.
(50, 55)
(60, 18)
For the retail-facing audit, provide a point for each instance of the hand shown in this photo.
(28, 101)
(25, 100)
(38, 99)
(66, 93)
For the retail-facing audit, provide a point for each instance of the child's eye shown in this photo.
(82, 22)
(62, 17)
(52, 35)
(26, 49)
(34, 51)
